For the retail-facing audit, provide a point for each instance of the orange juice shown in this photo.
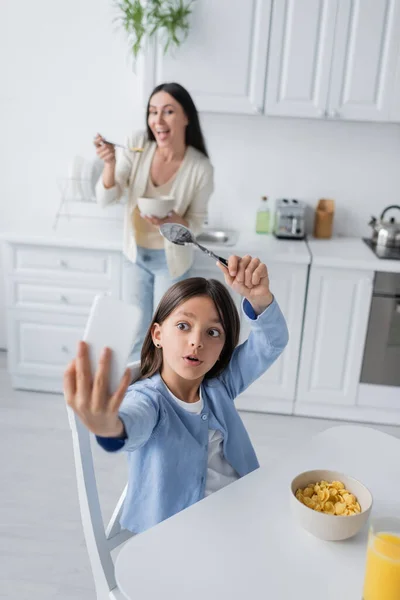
(382, 577)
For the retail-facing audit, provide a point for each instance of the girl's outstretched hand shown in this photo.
(89, 397)
(248, 276)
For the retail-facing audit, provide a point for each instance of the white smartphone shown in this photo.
(114, 324)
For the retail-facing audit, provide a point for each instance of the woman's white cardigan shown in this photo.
(192, 188)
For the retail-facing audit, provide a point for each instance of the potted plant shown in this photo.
(168, 19)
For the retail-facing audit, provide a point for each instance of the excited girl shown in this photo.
(178, 423)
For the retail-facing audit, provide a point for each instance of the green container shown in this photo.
(263, 217)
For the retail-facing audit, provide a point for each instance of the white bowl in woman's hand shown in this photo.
(156, 207)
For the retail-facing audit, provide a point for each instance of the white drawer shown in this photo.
(26, 261)
(42, 344)
(53, 297)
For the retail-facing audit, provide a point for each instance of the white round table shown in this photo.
(242, 542)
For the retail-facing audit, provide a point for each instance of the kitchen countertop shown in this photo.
(87, 236)
(348, 253)
(109, 237)
(340, 252)
(270, 249)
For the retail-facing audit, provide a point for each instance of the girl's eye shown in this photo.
(169, 112)
(183, 326)
(214, 333)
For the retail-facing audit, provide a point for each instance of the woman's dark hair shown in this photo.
(194, 135)
(151, 357)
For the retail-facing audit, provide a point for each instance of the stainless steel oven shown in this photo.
(381, 364)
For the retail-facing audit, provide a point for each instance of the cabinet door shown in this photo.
(223, 61)
(40, 345)
(275, 390)
(395, 103)
(365, 59)
(335, 327)
(300, 55)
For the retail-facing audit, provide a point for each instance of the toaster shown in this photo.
(290, 219)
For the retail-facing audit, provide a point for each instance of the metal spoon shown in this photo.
(181, 235)
(133, 149)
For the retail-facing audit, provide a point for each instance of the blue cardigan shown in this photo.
(167, 446)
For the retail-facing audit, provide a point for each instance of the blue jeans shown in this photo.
(144, 283)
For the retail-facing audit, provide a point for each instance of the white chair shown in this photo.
(99, 541)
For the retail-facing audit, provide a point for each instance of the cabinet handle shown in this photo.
(64, 299)
(65, 349)
(64, 264)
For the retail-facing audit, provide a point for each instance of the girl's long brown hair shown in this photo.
(151, 357)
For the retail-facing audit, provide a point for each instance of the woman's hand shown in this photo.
(104, 151)
(249, 277)
(172, 217)
(89, 398)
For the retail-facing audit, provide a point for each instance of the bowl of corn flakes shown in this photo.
(330, 505)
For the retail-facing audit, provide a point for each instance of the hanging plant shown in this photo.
(146, 18)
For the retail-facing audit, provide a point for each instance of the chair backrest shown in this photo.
(100, 541)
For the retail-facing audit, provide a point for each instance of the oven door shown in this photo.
(381, 364)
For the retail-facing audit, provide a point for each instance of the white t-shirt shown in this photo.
(219, 471)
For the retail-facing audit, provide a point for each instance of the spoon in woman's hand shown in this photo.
(181, 235)
(132, 149)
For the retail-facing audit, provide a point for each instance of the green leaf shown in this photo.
(168, 17)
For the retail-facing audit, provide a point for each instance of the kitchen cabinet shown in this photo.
(50, 287)
(275, 390)
(40, 345)
(335, 326)
(329, 59)
(223, 61)
(333, 59)
(365, 59)
(395, 105)
(300, 56)
(49, 292)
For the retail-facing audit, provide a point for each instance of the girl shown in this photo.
(178, 423)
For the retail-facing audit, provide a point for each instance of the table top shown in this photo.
(242, 541)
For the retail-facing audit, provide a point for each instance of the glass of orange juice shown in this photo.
(382, 574)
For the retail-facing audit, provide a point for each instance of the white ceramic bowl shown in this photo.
(156, 207)
(325, 526)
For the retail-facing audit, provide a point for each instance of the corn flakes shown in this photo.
(330, 498)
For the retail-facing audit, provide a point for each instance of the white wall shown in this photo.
(357, 164)
(66, 74)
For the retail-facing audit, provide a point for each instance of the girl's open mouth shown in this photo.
(192, 360)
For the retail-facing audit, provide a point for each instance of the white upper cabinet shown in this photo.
(395, 104)
(333, 59)
(365, 59)
(300, 55)
(223, 61)
(324, 59)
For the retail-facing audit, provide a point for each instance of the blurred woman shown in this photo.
(173, 162)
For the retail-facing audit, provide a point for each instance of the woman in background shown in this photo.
(174, 162)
